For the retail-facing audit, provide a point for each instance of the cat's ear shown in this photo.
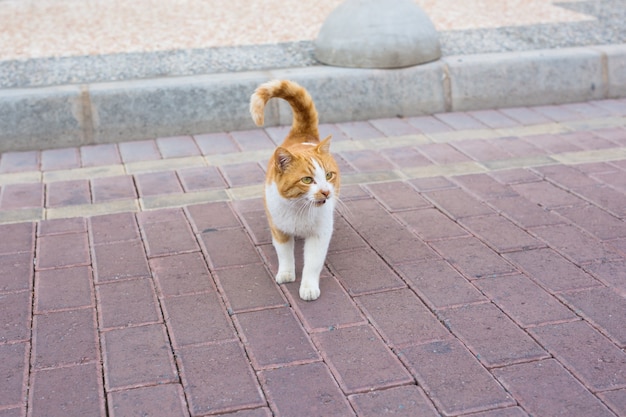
(282, 158)
(324, 145)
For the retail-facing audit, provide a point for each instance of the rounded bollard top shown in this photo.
(377, 34)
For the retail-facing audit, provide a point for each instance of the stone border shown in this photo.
(53, 117)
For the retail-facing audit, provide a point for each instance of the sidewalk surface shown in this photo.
(478, 264)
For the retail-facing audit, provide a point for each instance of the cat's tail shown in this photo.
(304, 112)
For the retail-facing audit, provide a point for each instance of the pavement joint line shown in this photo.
(261, 156)
(256, 190)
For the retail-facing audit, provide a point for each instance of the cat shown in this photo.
(301, 187)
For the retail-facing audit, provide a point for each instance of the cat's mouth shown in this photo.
(319, 203)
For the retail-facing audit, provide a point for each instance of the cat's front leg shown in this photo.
(284, 246)
(315, 249)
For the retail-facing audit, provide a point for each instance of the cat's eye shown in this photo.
(306, 180)
(329, 175)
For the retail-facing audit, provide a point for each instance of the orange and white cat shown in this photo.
(301, 187)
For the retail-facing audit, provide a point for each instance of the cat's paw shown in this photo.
(308, 293)
(285, 276)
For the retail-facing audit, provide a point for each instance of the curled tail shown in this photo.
(304, 112)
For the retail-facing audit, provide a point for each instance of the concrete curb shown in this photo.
(52, 117)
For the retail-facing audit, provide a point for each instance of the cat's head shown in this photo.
(306, 171)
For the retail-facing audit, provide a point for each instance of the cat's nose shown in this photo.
(325, 193)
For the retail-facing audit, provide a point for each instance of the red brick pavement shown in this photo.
(497, 291)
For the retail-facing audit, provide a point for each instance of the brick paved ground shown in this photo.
(478, 268)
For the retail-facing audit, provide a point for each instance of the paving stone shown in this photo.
(113, 188)
(524, 301)
(256, 223)
(361, 271)
(13, 412)
(127, 303)
(394, 126)
(595, 221)
(17, 196)
(431, 224)
(228, 247)
(100, 155)
(141, 150)
(473, 258)
(68, 391)
(524, 212)
(503, 412)
(359, 130)
(19, 161)
(249, 287)
(55, 159)
(275, 338)
(557, 113)
(604, 308)
(158, 183)
(408, 401)
(566, 176)
(438, 284)
(457, 203)
(325, 129)
(518, 148)
(405, 157)
(110, 228)
(551, 270)
(312, 384)
(186, 273)
(177, 147)
(454, 379)
(57, 289)
(62, 251)
(120, 260)
(197, 318)
(494, 338)
(65, 338)
(616, 400)
(68, 193)
(428, 124)
(597, 362)
(397, 196)
(15, 310)
(333, 309)
(206, 217)
(345, 237)
(442, 153)
(553, 144)
(216, 143)
(62, 226)
(494, 119)
(246, 173)
(612, 274)
(137, 356)
(544, 388)
(576, 245)
(211, 387)
(459, 120)
(389, 311)
(481, 150)
(157, 400)
(202, 178)
(359, 360)
(588, 140)
(23, 238)
(605, 197)
(432, 183)
(367, 160)
(500, 233)
(547, 195)
(485, 186)
(168, 235)
(16, 271)
(13, 373)
(252, 140)
(515, 176)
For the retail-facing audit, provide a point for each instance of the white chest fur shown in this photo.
(299, 217)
